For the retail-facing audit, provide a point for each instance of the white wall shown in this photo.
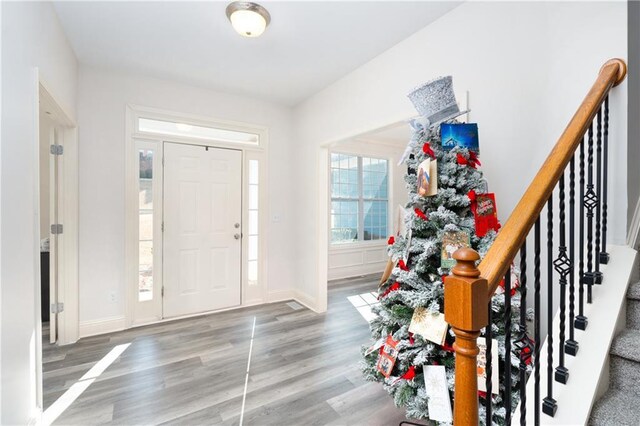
(31, 37)
(527, 67)
(102, 99)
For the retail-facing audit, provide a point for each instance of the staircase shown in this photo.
(621, 404)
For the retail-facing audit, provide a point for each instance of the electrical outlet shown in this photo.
(112, 297)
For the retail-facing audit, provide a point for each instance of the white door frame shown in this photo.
(68, 215)
(250, 294)
(68, 319)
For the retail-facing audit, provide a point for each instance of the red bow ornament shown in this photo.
(402, 265)
(395, 286)
(391, 240)
(420, 214)
(426, 148)
(473, 160)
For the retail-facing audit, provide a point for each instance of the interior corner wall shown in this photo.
(33, 44)
(527, 66)
(633, 156)
(102, 99)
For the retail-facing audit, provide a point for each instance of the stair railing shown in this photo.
(468, 291)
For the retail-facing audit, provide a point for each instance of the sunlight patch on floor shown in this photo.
(66, 399)
(363, 303)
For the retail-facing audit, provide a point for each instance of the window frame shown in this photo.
(360, 200)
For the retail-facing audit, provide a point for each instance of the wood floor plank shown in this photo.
(304, 369)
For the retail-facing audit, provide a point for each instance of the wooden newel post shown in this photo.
(465, 309)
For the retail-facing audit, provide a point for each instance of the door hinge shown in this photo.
(56, 308)
(56, 228)
(162, 227)
(57, 149)
(162, 291)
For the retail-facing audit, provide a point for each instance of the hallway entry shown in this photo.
(202, 230)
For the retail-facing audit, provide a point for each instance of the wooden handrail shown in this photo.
(468, 289)
(510, 238)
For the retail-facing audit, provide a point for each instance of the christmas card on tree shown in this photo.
(485, 213)
(388, 356)
(464, 135)
(428, 178)
(482, 366)
(438, 403)
(452, 241)
(401, 224)
(377, 345)
(429, 325)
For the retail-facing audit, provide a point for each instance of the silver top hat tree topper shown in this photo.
(435, 101)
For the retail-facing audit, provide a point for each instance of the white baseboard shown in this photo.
(337, 273)
(280, 295)
(305, 300)
(102, 326)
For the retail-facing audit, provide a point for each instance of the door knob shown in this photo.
(236, 225)
(236, 236)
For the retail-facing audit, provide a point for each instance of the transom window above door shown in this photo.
(189, 130)
(359, 198)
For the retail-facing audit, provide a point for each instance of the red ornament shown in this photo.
(395, 286)
(391, 240)
(402, 265)
(420, 214)
(448, 348)
(410, 374)
(411, 339)
(482, 394)
(426, 148)
(473, 160)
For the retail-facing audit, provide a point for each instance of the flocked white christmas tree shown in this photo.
(416, 281)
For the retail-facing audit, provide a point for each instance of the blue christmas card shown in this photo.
(464, 135)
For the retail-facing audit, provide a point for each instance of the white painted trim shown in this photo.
(341, 272)
(68, 244)
(633, 235)
(594, 343)
(308, 302)
(102, 326)
(280, 296)
(250, 295)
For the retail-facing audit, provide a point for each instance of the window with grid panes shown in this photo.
(359, 198)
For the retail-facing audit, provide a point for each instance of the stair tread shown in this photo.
(627, 345)
(634, 291)
(616, 407)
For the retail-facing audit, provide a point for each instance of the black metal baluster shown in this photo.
(589, 203)
(581, 319)
(571, 346)
(536, 318)
(597, 275)
(488, 334)
(507, 346)
(549, 405)
(524, 342)
(604, 256)
(562, 265)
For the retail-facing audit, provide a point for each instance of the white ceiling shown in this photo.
(308, 45)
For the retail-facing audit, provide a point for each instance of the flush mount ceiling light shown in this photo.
(247, 18)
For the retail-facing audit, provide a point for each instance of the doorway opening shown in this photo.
(57, 230)
(366, 190)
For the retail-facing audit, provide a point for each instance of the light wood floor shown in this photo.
(304, 370)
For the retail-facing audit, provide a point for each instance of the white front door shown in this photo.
(202, 228)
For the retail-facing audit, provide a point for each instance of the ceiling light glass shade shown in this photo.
(248, 19)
